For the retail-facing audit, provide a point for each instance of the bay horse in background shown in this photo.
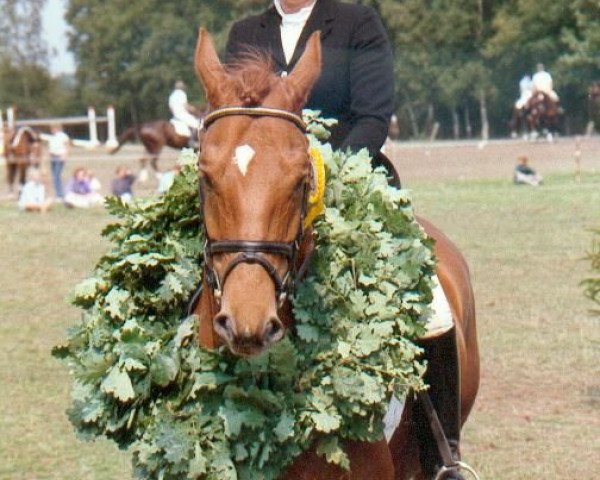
(253, 167)
(155, 135)
(594, 104)
(543, 115)
(22, 149)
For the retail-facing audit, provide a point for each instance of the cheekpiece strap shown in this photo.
(255, 112)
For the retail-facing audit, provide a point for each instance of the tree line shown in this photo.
(457, 62)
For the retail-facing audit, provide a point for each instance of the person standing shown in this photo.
(59, 147)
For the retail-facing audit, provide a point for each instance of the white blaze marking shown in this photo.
(243, 156)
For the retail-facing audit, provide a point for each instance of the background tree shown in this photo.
(130, 54)
(560, 34)
(24, 77)
(440, 67)
(457, 62)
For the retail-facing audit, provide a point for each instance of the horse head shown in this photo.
(254, 170)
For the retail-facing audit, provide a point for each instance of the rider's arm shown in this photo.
(371, 84)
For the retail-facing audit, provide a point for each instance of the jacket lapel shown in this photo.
(321, 19)
(271, 36)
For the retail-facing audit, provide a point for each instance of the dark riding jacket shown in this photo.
(356, 85)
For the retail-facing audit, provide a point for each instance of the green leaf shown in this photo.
(285, 427)
(308, 333)
(116, 303)
(163, 369)
(333, 452)
(118, 384)
(325, 422)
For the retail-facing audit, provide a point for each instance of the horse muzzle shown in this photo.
(244, 342)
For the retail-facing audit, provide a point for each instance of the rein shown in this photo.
(254, 251)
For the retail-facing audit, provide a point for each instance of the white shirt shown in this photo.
(178, 102)
(58, 144)
(525, 85)
(33, 193)
(542, 81)
(291, 27)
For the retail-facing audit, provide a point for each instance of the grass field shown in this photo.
(537, 412)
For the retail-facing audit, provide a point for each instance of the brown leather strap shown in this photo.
(255, 112)
(436, 429)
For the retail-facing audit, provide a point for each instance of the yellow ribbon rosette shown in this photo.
(316, 196)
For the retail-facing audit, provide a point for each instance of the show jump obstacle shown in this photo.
(91, 119)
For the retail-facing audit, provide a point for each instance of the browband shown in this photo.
(255, 112)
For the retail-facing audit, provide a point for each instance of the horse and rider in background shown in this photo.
(183, 130)
(22, 149)
(537, 111)
(593, 104)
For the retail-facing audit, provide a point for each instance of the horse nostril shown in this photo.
(273, 331)
(224, 326)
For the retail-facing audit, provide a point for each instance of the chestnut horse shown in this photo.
(22, 149)
(253, 169)
(154, 136)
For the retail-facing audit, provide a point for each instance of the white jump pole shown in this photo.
(111, 141)
(93, 128)
(10, 117)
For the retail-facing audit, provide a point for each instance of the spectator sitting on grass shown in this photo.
(524, 174)
(33, 195)
(79, 191)
(122, 183)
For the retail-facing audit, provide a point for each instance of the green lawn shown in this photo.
(536, 416)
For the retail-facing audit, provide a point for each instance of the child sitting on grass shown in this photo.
(33, 195)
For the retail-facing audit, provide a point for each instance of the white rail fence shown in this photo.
(91, 119)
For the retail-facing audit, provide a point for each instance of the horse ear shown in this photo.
(307, 70)
(209, 68)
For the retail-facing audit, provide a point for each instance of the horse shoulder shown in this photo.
(368, 461)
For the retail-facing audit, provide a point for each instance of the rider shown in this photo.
(525, 90)
(356, 85)
(542, 82)
(181, 110)
(357, 88)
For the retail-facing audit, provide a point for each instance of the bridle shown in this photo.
(254, 251)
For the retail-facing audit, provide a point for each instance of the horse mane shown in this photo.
(253, 77)
(26, 130)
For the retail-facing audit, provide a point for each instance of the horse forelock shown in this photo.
(253, 77)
